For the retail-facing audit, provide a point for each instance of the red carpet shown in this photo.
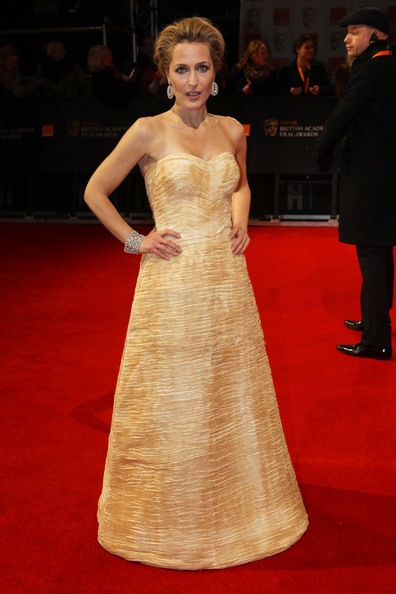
(66, 292)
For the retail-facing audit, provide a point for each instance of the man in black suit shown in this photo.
(365, 123)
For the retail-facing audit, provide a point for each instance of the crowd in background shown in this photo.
(97, 74)
(59, 74)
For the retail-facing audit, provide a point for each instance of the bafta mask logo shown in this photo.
(280, 41)
(271, 126)
(336, 40)
(253, 18)
(308, 16)
(72, 128)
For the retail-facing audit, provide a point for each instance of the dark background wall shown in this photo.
(33, 15)
(224, 13)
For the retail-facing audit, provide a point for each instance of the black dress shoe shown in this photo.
(364, 350)
(352, 325)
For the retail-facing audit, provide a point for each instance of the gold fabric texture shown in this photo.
(197, 473)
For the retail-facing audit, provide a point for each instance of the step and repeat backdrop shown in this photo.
(76, 134)
(53, 146)
(279, 22)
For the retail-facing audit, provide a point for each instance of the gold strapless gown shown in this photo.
(198, 473)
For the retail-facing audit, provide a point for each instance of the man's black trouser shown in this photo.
(376, 298)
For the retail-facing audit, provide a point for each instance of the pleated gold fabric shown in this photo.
(197, 473)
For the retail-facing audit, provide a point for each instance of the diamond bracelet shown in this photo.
(133, 242)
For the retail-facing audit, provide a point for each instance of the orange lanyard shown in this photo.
(382, 53)
(303, 78)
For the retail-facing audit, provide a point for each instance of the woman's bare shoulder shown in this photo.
(232, 127)
(143, 135)
(145, 127)
(230, 123)
(149, 133)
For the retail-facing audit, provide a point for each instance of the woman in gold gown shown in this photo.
(197, 472)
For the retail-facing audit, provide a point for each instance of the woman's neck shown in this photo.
(190, 118)
(302, 62)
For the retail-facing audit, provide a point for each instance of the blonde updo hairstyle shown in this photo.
(189, 30)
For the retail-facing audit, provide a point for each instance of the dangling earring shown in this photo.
(215, 89)
(169, 91)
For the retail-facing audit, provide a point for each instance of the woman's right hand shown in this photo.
(158, 243)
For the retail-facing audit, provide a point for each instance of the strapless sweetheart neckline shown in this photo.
(182, 154)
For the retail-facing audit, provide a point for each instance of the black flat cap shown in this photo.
(370, 16)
